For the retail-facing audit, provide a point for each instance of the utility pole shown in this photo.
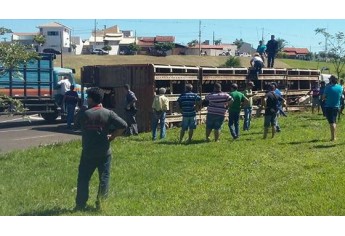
(199, 37)
(61, 46)
(94, 46)
(262, 36)
(213, 38)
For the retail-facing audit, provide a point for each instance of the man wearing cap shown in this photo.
(188, 101)
(160, 106)
(332, 95)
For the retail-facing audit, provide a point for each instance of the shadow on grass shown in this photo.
(304, 141)
(165, 142)
(57, 211)
(330, 145)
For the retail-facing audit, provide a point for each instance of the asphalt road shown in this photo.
(19, 134)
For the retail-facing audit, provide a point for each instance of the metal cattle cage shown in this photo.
(146, 79)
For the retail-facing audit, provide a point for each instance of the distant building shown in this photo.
(147, 44)
(296, 53)
(24, 38)
(212, 50)
(113, 37)
(58, 37)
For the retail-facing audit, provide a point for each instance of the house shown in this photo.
(26, 39)
(296, 53)
(113, 37)
(212, 50)
(246, 50)
(147, 44)
(58, 37)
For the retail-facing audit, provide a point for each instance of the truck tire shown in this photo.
(50, 117)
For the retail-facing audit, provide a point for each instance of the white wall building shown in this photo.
(58, 37)
(113, 37)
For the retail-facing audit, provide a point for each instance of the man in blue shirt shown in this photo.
(188, 101)
(332, 95)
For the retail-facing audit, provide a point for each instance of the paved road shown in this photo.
(19, 134)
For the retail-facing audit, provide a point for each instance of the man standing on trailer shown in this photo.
(271, 51)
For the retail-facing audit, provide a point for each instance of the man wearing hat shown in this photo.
(332, 97)
(160, 106)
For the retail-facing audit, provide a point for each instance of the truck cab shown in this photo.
(36, 86)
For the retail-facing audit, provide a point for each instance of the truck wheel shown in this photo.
(50, 117)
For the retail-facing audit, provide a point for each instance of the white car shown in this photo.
(99, 51)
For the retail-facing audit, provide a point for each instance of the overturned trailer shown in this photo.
(146, 79)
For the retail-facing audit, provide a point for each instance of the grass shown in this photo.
(297, 173)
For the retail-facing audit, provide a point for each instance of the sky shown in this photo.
(296, 32)
(224, 20)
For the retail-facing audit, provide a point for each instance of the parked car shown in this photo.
(51, 50)
(99, 51)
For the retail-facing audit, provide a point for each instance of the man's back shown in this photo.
(187, 102)
(272, 46)
(96, 123)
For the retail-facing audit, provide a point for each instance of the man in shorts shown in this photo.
(217, 104)
(271, 109)
(315, 102)
(188, 103)
(332, 95)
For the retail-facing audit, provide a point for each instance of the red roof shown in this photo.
(202, 46)
(168, 39)
(150, 41)
(296, 51)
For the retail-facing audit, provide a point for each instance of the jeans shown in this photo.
(247, 117)
(70, 114)
(158, 116)
(277, 124)
(132, 123)
(87, 166)
(270, 60)
(234, 125)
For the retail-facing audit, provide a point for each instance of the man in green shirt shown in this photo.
(234, 110)
(99, 126)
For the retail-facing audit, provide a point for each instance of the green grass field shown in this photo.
(298, 173)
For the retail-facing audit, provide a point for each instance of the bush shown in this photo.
(232, 62)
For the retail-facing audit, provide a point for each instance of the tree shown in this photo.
(193, 43)
(162, 48)
(39, 39)
(218, 42)
(232, 62)
(281, 44)
(107, 48)
(11, 57)
(133, 48)
(239, 43)
(4, 31)
(336, 51)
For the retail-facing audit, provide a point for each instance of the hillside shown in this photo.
(78, 61)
